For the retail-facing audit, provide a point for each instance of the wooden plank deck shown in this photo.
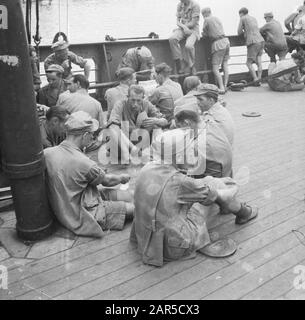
(269, 156)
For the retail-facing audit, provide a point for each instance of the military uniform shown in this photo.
(186, 14)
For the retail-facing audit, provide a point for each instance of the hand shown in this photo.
(65, 64)
(148, 123)
(125, 178)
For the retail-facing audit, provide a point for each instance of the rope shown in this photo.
(28, 21)
(37, 38)
(59, 14)
(67, 18)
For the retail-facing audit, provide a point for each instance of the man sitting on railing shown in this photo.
(248, 27)
(167, 93)
(127, 77)
(275, 40)
(138, 59)
(127, 118)
(213, 30)
(297, 38)
(188, 16)
(63, 57)
(292, 19)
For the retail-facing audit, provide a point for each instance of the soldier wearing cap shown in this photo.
(171, 209)
(74, 183)
(216, 150)
(138, 59)
(168, 91)
(275, 41)
(127, 77)
(49, 94)
(188, 16)
(63, 57)
(207, 98)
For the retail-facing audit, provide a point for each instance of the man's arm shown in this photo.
(80, 61)
(154, 98)
(240, 30)
(111, 180)
(289, 20)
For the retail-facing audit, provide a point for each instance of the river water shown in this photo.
(90, 20)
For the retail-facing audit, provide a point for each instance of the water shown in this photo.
(90, 20)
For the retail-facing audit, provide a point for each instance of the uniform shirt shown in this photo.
(274, 34)
(164, 98)
(163, 199)
(249, 27)
(122, 112)
(114, 95)
(49, 96)
(186, 14)
(72, 58)
(132, 59)
(213, 29)
(72, 180)
(223, 118)
(81, 101)
(49, 139)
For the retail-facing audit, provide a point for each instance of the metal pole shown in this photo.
(21, 147)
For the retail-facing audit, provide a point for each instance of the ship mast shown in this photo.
(21, 147)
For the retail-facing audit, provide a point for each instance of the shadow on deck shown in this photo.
(271, 149)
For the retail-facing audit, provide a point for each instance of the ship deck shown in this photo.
(271, 148)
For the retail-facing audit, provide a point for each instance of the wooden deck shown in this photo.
(269, 160)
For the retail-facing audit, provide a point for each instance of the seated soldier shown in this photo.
(49, 94)
(291, 81)
(73, 180)
(52, 127)
(207, 97)
(168, 91)
(215, 149)
(171, 209)
(299, 60)
(190, 85)
(63, 57)
(80, 100)
(291, 21)
(127, 77)
(127, 117)
(138, 59)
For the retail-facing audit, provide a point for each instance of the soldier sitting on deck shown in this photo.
(49, 94)
(52, 127)
(127, 77)
(73, 180)
(131, 121)
(171, 209)
(63, 57)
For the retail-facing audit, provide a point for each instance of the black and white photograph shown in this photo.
(152, 151)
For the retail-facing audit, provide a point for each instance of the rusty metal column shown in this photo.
(22, 154)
